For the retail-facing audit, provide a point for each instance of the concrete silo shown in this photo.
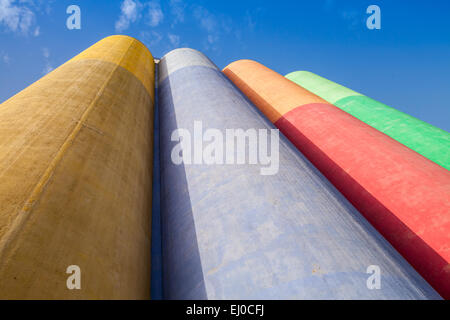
(431, 142)
(75, 165)
(229, 232)
(404, 195)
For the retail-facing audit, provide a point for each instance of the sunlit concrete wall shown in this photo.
(75, 172)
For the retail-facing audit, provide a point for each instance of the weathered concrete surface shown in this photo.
(231, 233)
(75, 172)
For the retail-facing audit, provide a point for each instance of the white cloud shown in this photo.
(37, 31)
(16, 16)
(48, 67)
(209, 23)
(151, 38)
(174, 40)
(130, 11)
(177, 8)
(207, 20)
(29, 2)
(212, 38)
(5, 57)
(46, 53)
(214, 25)
(155, 13)
(250, 21)
(254, 17)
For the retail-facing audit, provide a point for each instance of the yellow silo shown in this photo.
(76, 178)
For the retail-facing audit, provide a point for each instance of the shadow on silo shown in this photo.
(182, 268)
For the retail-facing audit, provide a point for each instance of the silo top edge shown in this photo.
(331, 91)
(126, 52)
(182, 58)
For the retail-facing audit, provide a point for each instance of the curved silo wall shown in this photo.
(229, 232)
(431, 142)
(404, 195)
(156, 273)
(75, 166)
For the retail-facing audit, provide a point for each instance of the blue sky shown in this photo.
(406, 64)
